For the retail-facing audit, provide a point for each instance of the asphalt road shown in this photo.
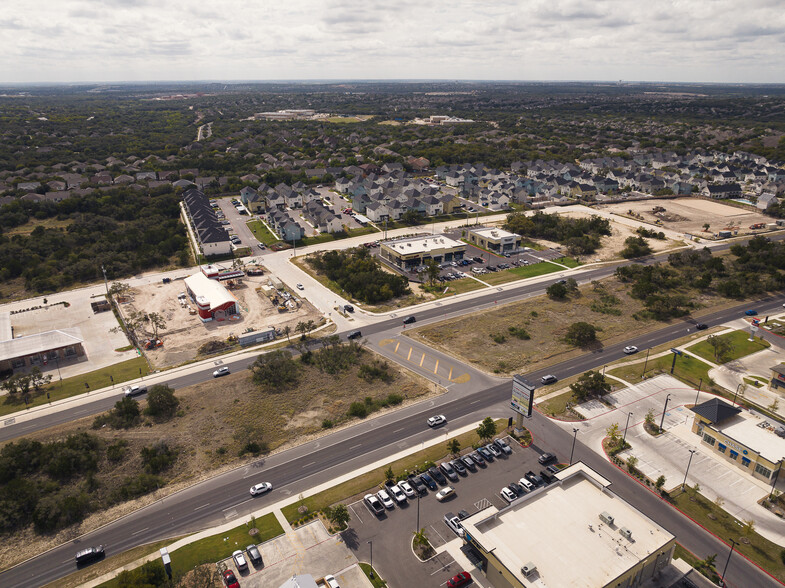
(226, 497)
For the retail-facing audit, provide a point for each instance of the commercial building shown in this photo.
(750, 442)
(39, 349)
(778, 376)
(574, 532)
(496, 240)
(213, 301)
(414, 251)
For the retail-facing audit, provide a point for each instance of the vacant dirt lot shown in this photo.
(484, 338)
(184, 331)
(688, 215)
(218, 418)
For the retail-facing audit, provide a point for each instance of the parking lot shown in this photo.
(391, 533)
(234, 222)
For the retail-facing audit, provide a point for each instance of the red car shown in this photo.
(231, 581)
(460, 580)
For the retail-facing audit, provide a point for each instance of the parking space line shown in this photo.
(357, 516)
(444, 567)
(397, 345)
(408, 357)
(437, 366)
(422, 359)
(439, 534)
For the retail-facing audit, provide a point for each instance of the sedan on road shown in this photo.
(445, 493)
(751, 312)
(223, 371)
(630, 349)
(701, 326)
(409, 320)
(549, 379)
(437, 420)
(261, 488)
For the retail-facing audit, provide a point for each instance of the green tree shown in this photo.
(557, 291)
(632, 462)
(161, 402)
(125, 414)
(421, 539)
(454, 447)
(38, 380)
(287, 330)
(590, 384)
(389, 475)
(660, 483)
(487, 429)
(157, 323)
(339, 515)
(649, 418)
(635, 247)
(580, 334)
(411, 217)
(721, 345)
(158, 457)
(613, 434)
(276, 370)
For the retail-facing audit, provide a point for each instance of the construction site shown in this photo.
(251, 309)
(705, 219)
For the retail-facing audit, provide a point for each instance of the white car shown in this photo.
(445, 493)
(630, 349)
(239, 560)
(261, 488)
(300, 287)
(331, 582)
(528, 486)
(398, 494)
(385, 498)
(224, 371)
(407, 489)
(437, 420)
(508, 494)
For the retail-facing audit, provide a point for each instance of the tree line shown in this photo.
(579, 235)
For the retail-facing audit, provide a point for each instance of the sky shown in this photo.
(727, 41)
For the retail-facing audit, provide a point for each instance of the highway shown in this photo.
(226, 496)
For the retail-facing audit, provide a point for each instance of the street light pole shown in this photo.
(624, 438)
(645, 363)
(722, 578)
(664, 410)
(574, 438)
(692, 452)
(699, 391)
(737, 393)
(371, 544)
(418, 512)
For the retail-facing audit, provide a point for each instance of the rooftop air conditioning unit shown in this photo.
(606, 518)
(626, 533)
(528, 569)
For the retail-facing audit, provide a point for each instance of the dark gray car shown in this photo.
(469, 463)
(437, 475)
(449, 471)
(254, 555)
(457, 464)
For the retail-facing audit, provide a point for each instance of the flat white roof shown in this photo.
(212, 290)
(425, 244)
(558, 529)
(493, 233)
(5, 326)
(39, 342)
(748, 429)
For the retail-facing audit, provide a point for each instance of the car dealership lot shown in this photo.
(392, 532)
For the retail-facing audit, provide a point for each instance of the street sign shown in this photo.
(676, 351)
(522, 396)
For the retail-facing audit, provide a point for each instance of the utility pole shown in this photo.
(692, 452)
(106, 282)
(574, 438)
(664, 410)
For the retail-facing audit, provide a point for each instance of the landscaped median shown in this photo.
(308, 507)
(727, 347)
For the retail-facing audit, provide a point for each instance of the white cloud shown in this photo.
(111, 40)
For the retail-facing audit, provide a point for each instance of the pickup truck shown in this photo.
(454, 522)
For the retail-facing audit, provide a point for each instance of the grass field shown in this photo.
(371, 480)
(760, 550)
(262, 233)
(741, 346)
(688, 369)
(376, 580)
(520, 273)
(568, 261)
(327, 237)
(120, 372)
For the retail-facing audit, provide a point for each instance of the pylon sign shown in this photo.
(522, 400)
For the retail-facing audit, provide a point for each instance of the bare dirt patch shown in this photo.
(184, 331)
(688, 215)
(218, 418)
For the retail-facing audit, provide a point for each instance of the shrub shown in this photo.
(327, 424)
(116, 451)
(498, 338)
(59, 510)
(135, 486)
(580, 334)
(124, 415)
(158, 457)
(358, 409)
(520, 333)
(161, 402)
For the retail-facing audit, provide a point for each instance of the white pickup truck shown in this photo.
(454, 522)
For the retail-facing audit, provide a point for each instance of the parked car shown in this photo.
(526, 484)
(417, 484)
(331, 582)
(547, 476)
(469, 463)
(428, 481)
(553, 469)
(254, 555)
(261, 246)
(239, 560)
(437, 420)
(300, 287)
(503, 446)
(348, 308)
(374, 504)
(508, 494)
(445, 493)
(222, 371)
(89, 555)
(493, 449)
(261, 488)
(449, 471)
(458, 466)
(407, 489)
(437, 475)
(630, 349)
(230, 579)
(487, 455)
(535, 479)
(478, 458)
(398, 494)
(549, 379)
(546, 457)
(454, 523)
(385, 499)
(459, 580)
